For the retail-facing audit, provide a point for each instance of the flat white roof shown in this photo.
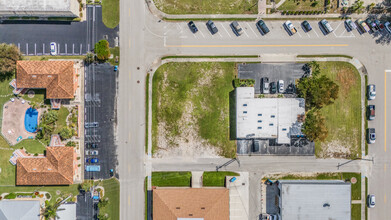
(37, 5)
(267, 117)
(315, 199)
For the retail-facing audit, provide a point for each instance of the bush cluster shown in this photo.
(244, 83)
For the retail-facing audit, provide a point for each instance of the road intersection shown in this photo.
(144, 39)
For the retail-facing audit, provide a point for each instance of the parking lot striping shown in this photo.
(227, 32)
(27, 49)
(315, 32)
(282, 45)
(73, 49)
(66, 48)
(251, 29)
(220, 34)
(245, 32)
(385, 110)
(183, 37)
(43, 48)
(81, 48)
(201, 33)
(180, 28)
(338, 25)
(35, 49)
(299, 34)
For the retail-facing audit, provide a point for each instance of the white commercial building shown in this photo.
(39, 8)
(268, 118)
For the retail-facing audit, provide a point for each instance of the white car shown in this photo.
(53, 49)
(371, 92)
(292, 30)
(94, 152)
(280, 86)
(371, 201)
(87, 152)
(388, 28)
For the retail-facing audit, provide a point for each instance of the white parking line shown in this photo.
(81, 46)
(220, 34)
(43, 49)
(315, 32)
(245, 32)
(183, 37)
(227, 32)
(27, 49)
(35, 49)
(251, 29)
(201, 33)
(299, 34)
(66, 49)
(180, 28)
(338, 25)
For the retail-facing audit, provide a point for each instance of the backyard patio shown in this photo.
(13, 124)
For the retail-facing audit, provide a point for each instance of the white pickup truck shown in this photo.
(291, 29)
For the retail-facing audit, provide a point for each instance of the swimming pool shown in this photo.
(31, 120)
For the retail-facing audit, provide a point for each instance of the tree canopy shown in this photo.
(317, 90)
(102, 50)
(314, 126)
(9, 54)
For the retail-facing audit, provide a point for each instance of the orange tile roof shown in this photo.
(206, 203)
(54, 169)
(54, 76)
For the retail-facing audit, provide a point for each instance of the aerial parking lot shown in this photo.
(179, 31)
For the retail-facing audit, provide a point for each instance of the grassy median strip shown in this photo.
(366, 107)
(167, 179)
(207, 6)
(110, 13)
(356, 211)
(206, 19)
(112, 192)
(146, 111)
(343, 117)
(211, 57)
(324, 55)
(366, 194)
(216, 178)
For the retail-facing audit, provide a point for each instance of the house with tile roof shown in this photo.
(59, 78)
(190, 203)
(56, 168)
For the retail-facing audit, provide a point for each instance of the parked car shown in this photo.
(280, 86)
(265, 85)
(94, 145)
(371, 201)
(371, 92)
(94, 160)
(87, 153)
(94, 152)
(87, 160)
(388, 27)
(371, 135)
(273, 87)
(306, 25)
(371, 112)
(350, 24)
(236, 28)
(262, 28)
(290, 27)
(193, 27)
(53, 48)
(212, 27)
(372, 25)
(326, 26)
(363, 26)
(379, 24)
(91, 124)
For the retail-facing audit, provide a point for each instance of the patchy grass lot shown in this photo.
(190, 110)
(343, 117)
(302, 5)
(207, 6)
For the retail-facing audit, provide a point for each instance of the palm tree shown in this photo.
(51, 211)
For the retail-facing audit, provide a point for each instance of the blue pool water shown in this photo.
(31, 120)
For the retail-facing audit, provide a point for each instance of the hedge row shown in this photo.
(303, 12)
(244, 83)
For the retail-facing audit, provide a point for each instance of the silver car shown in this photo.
(371, 93)
(280, 86)
(53, 49)
(371, 201)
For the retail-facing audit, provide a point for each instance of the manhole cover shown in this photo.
(353, 180)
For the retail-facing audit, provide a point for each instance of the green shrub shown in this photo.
(48, 196)
(10, 196)
(244, 83)
(102, 50)
(66, 133)
(70, 144)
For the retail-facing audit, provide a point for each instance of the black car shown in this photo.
(307, 27)
(273, 87)
(192, 27)
(262, 28)
(212, 27)
(94, 145)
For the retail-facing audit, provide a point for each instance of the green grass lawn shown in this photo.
(5, 93)
(62, 119)
(31, 145)
(163, 179)
(301, 5)
(207, 6)
(216, 178)
(204, 87)
(39, 96)
(356, 212)
(7, 174)
(52, 57)
(64, 190)
(343, 117)
(356, 188)
(110, 13)
(112, 192)
(115, 52)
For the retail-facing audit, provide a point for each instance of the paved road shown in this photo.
(144, 39)
(34, 37)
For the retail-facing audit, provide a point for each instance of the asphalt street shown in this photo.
(144, 39)
(72, 38)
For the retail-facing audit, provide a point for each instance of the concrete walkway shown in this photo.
(196, 179)
(238, 196)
